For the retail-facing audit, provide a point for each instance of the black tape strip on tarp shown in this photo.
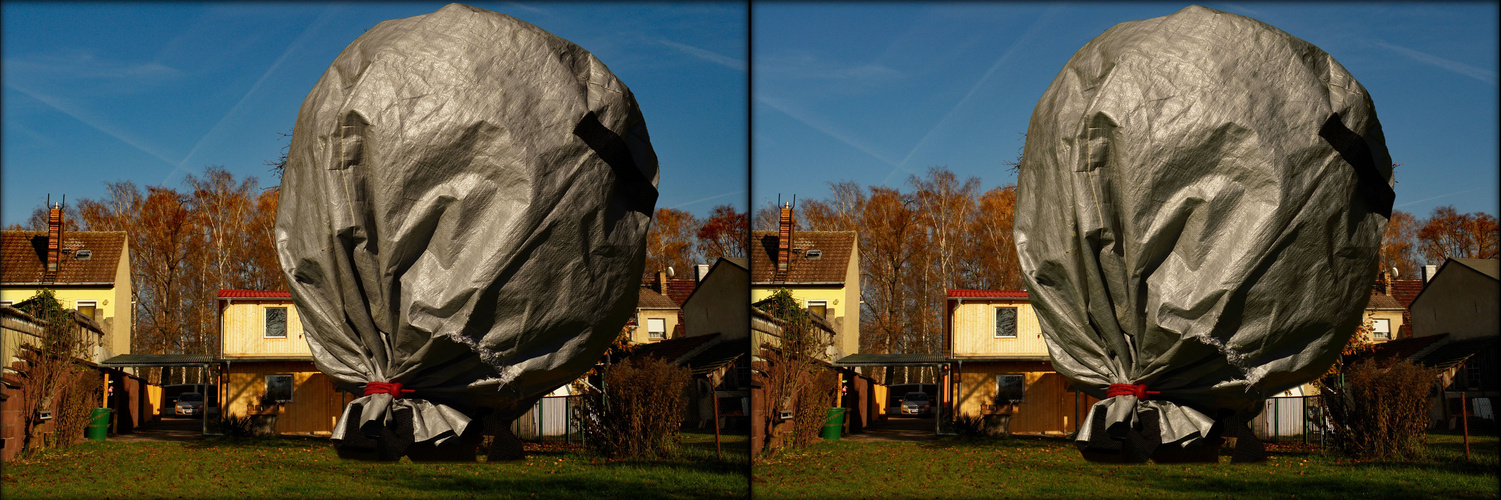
(1353, 148)
(640, 195)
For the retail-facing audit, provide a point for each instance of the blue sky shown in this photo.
(149, 92)
(876, 92)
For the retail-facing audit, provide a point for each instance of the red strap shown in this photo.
(1140, 391)
(392, 388)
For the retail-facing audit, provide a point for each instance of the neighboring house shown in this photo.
(1387, 317)
(20, 334)
(656, 317)
(1001, 370)
(820, 268)
(264, 358)
(1404, 291)
(718, 304)
(88, 271)
(1462, 303)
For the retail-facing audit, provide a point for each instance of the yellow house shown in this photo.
(656, 317)
(267, 368)
(1385, 315)
(820, 268)
(87, 270)
(1001, 370)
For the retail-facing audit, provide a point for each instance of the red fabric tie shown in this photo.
(1140, 391)
(392, 388)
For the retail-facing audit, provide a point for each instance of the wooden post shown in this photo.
(1464, 418)
(718, 450)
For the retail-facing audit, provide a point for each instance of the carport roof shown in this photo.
(868, 359)
(124, 360)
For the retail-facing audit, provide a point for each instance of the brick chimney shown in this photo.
(54, 238)
(784, 243)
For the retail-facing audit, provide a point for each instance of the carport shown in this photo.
(203, 361)
(944, 414)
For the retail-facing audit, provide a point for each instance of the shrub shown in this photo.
(812, 408)
(75, 406)
(241, 426)
(641, 409)
(1378, 411)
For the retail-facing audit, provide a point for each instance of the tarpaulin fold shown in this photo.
(463, 211)
(1200, 202)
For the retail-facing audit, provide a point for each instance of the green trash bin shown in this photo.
(835, 425)
(99, 423)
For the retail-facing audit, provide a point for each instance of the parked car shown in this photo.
(189, 403)
(916, 403)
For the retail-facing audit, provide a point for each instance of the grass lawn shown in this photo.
(307, 467)
(1052, 468)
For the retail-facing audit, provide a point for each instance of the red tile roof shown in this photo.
(23, 257)
(254, 294)
(830, 267)
(1404, 290)
(986, 294)
(678, 289)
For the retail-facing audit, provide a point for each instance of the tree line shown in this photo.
(679, 240)
(217, 231)
(939, 232)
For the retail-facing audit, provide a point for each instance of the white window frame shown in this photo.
(1381, 329)
(1000, 387)
(266, 322)
(78, 305)
(291, 385)
(819, 303)
(660, 330)
(1015, 315)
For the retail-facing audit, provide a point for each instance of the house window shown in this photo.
(1472, 375)
(88, 308)
(1010, 388)
(1005, 322)
(819, 307)
(276, 322)
(279, 388)
(656, 328)
(1381, 329)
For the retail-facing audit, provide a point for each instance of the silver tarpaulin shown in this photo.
(463, 212)
(1200, 202)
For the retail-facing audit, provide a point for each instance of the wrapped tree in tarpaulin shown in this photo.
(462, 224)
(1199, 206)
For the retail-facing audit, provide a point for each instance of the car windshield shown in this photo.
(917, 396)
(191, 396)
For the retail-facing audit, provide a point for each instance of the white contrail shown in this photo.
(307, 33)
(1481, 74)
(701, 200)
(821, 127)
(1036, 26)
(94, 122)
(713, 57)
(1430, 198)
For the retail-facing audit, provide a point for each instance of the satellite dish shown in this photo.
(671, 273)
(1395, 273)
